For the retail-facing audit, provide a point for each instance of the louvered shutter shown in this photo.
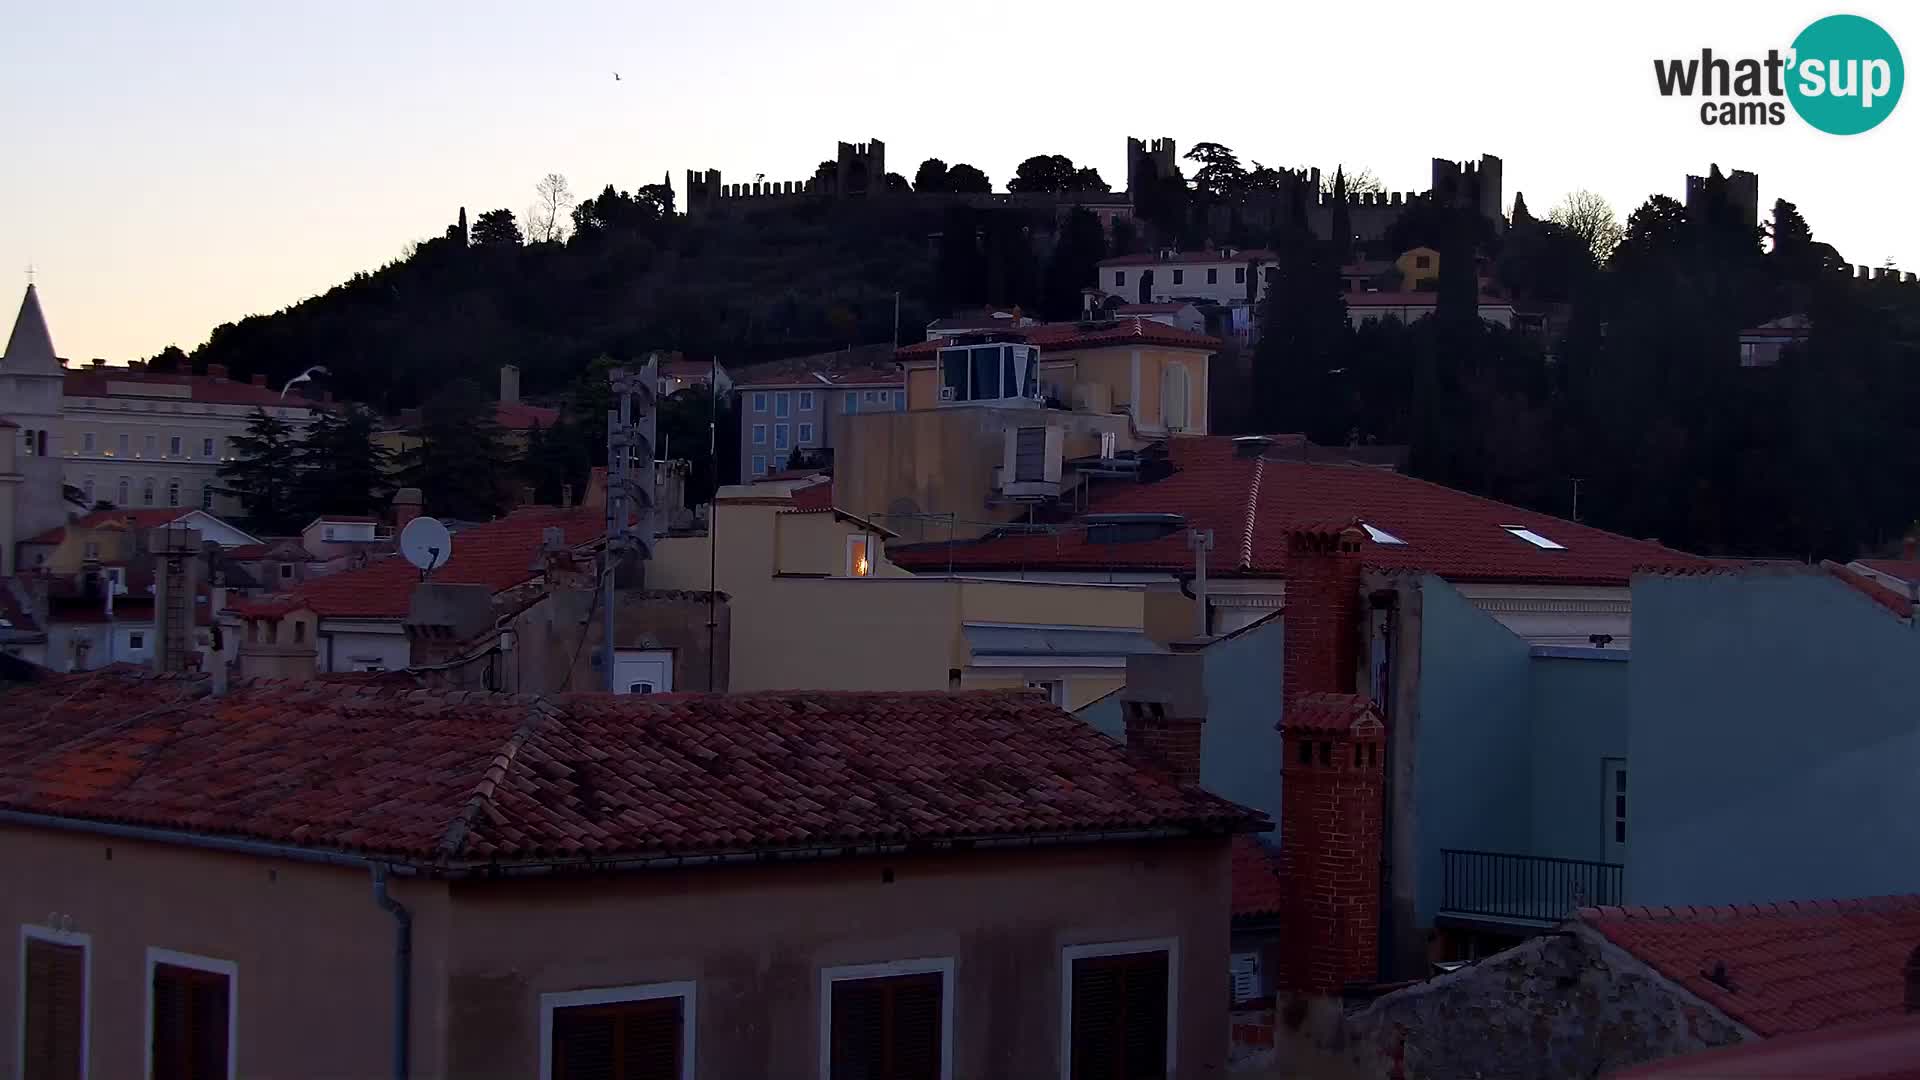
(1120, 1017)
(1096, 1020)
(1030, 455)
(189, 1023)
(914, 1027)
(52, 1023)
(1144, 1035)
(886, 1028)
(628, 1040)
(857, 1027)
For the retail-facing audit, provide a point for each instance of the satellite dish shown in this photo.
(426, 544)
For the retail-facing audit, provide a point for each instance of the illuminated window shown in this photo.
(858, 565)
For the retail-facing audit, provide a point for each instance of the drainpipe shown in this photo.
(402, 969)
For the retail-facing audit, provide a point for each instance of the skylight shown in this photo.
(1533, 538)
(1381, 536)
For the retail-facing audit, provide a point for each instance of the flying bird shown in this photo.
(305, 376)
(616, 76)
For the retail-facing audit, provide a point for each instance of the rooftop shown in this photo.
(1059, 337)
(451, 780)
(1787, 967)
(1253, 501)
(859, 365)
(107, 381)
(1256, 879)
(1151, 258)
(109, 519)
(499, 554)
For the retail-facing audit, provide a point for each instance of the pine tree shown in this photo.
(265, 473)
(342, 469)
(460, 463)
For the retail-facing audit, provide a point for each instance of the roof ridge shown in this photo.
(539, 710)
(1253, 512)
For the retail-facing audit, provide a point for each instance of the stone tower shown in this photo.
(861, 169)
(32, 384)
(1148, 162)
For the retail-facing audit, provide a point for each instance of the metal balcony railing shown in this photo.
(1533, 888)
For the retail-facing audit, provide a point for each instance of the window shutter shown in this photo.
(886, 1028)
(1120, 1017)
(189, 1023)
(1030, 455)
(1145, 1009)
(629, 1040)
(858, 1030)
(1096, 1020)
(916, 1028)
(52, 1028)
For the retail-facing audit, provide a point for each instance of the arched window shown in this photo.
(1173, 397)
(146, 492)
(173, 493)
(122, 500)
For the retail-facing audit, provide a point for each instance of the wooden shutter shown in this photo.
(190, 1009)
(53, 1014)
(886, 1028)
(1120, 1017)
(622, 1040)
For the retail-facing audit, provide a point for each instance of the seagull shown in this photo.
(305, 376)
(616, 76)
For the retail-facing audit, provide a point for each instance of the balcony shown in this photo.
(1526, 889)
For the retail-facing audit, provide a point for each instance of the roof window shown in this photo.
(1381, 536)
(1533, 538)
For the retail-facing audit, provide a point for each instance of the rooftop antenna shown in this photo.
(427, 544)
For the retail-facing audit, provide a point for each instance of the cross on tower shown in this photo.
(29, 273)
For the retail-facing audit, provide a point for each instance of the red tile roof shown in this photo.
(1256, 879)
(1253, 502)
(133, 519)
(92, 382)
(1880, 1050)
(813, 498)
(1333, 713)
(6, 423)
(458, 779)
(1059, 337)
(520, 416)
(858, 365)
(1791, 966)
(1871, 589)
(499, 554)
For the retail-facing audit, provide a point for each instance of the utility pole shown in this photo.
(1576, 498)
(630, 489)
(896, 318)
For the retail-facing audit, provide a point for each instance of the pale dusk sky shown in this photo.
(170, 167)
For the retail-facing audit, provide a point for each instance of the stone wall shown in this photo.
(1566, 1004)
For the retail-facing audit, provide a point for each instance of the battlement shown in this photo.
(1742, 188)
(1374, 198)
(1879, 273)
(1471, 185)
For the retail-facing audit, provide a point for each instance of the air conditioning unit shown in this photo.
(946, 393)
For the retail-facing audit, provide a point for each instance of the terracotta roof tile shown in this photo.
(498, 554)
(453, 779)
(1256, 879)
(1792, 966)
(133, 519)
(1333, 713)
(1253, 503)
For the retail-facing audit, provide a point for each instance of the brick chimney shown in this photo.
(1323, 623)
(509, 384)
(406, 506)
(1165, 706)
(1331, 826)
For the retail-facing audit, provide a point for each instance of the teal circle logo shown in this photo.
(1846, 76)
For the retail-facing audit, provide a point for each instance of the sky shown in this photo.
(169, 167)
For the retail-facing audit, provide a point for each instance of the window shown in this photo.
(123, 445)
(1421, 262)
(206, 497)
(850, 403)
(759, 465)
(886, 397)
(1213, 275)
(206, 448)
(1174, 413)
(286, 571)
(1118, 1008)
(890, 1020)
(1533, 538)
(146, 492)
(174, 447)
(872, 396)
(618, 1033)
(782, 401)
(190, 1017)
(1055, 689)
(759, 434)
(1239, 275)
(173, 493)
(1381, 536)
(1179, 277)
(1119, 278)
(122, 500)
(779, 436)
(53, 1006)
(149, 442)
(642, 687)
(858, 565)
(136, 641)
(806, 434)
(90, 550)
(806, 401)
(328, 530)
(299, 632)
(760, 402)
(86, 442)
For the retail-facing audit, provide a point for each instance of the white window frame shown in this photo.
(806, 401)
(614, 995)
(780, 439)
(1170, 946)
(942, 965)
(805, 435)
(176, 446)
(31, 932)
(206, 448)
(782, 403)
(228, 968)
(759, 434)
(760, 401)
(886, 397)
(759, 465)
